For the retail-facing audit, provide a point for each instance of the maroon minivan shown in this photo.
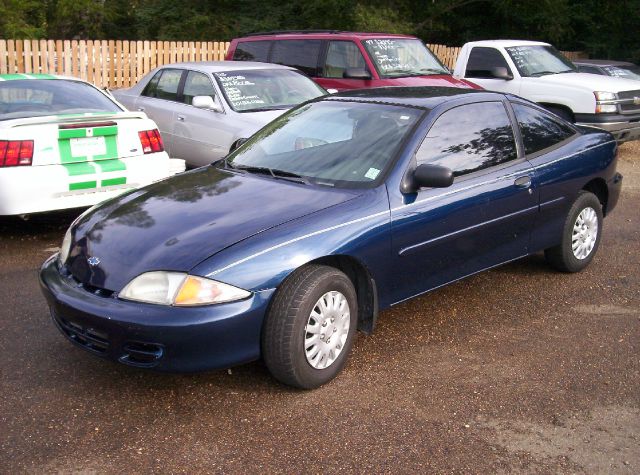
(345, 60)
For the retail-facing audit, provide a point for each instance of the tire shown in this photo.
(586, 214)
(563, 113)
(291, 348)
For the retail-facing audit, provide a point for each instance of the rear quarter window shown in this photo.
(252, 51)
(540, 130)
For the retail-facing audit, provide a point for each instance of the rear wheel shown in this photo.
(310, 327)
(580, 237)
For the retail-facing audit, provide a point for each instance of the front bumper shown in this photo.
(154, 336)
(623, 128)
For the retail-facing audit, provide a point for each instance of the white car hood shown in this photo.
(593, 82)
(264, 117)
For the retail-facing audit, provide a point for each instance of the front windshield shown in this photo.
(334, 143)
(403, 57)
(626, 72)
(22, 98)
(266, 89)
(539, 60)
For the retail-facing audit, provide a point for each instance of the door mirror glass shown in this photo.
(501, 73)
(356, 73)
(432, 176)
(205, 102)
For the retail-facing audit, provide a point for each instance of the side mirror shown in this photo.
(356, 73)
(431, 176)
(205, 102)
(332, 91)
(501, 73)
(237, 143)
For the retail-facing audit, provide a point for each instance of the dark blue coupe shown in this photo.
(345, 206)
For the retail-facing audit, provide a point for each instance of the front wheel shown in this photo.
(310, 327)
(580, 237)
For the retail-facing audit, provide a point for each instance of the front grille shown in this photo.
(629, 107)
(90, 338)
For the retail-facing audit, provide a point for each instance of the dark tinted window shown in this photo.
(340, 56)
(301, 54)
(483, 60)
(539, 129)
(150, 90)
(469, 138)
(252, 51)
(589, 69)
(168, 84)
(197, 84)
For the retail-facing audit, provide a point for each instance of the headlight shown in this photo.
(605, 96)
(177, 288)
(65, 247)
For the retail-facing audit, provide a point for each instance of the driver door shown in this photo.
(485, 218)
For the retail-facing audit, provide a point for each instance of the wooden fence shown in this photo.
(115, 63)
(106, 63)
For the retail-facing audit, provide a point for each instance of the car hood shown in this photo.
(593, 82)
(177, 223)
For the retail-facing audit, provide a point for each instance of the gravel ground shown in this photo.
(519, 369)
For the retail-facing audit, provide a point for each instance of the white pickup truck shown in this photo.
(540, 73)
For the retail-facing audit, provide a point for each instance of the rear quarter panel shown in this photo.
(561, 174)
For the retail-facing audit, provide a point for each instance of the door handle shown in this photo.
(181, 118)
(141, 109)
(523, 182)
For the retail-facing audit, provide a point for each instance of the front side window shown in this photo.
(397, 57)
(197, 84)
(40, 97)
(254, 90)
(539, 60)
(168, 84)
(333, 143)
(252, 51)
(469, 138)
(342, 55)
(539, 129)
(299, 54)
(482, 60)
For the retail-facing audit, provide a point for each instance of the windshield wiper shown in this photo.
(265, 109)
(274, 172)
(542, 73)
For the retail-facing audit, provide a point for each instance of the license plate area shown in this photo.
(87, 146)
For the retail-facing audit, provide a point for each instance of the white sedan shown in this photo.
(204, 108)
(65, 144)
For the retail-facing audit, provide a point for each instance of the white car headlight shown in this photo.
(605, 96)
(179, 289)
(65, 247)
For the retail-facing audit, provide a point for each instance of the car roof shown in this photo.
(507, 43)
(223, 66)
(426, 97)
(315, 34)
(602, 62)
